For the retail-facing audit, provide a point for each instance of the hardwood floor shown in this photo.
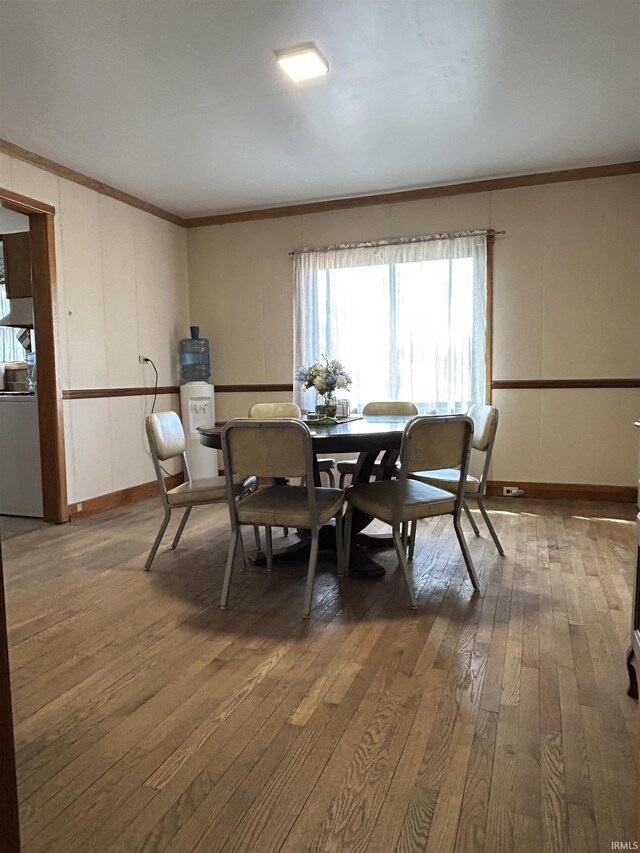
(146, 719)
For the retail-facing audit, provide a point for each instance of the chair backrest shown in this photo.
(166, 441)
(389, 407)
(485, 425)
(267, 448)
(274, 410)
(166, 435)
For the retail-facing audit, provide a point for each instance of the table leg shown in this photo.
(633, 676)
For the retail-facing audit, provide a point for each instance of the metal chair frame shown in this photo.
(399, 538)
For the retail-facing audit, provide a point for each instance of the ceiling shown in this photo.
(180, 102)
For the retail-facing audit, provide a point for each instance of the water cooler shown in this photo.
(197, 404)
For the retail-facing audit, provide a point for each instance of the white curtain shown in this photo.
(407, 320)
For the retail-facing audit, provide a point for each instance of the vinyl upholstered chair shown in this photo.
(277, 448)
(291, 410)
(429, 442)
(485, 425)
(166, 441)
(376, 409)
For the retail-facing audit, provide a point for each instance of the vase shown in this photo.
(326, 406)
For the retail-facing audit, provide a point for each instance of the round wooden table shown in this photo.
(365, 436)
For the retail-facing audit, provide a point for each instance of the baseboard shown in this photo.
(550, 491)
(122, 497)
(567, 491)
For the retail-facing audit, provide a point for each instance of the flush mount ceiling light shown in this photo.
(302, 62)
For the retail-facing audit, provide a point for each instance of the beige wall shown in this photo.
(122, 291)
(566, 294)
(566, 305)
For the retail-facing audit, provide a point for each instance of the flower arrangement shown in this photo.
(324, 378)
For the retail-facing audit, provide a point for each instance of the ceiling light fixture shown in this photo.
(303, 62)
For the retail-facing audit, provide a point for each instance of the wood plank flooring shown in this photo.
(148, 720)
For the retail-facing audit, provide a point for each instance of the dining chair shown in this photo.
(375, 408)
(428, 443)
(167, 441)
(291, 410)
(277, 448)
(485, 425)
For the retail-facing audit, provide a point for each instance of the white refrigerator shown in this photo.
(20, 475)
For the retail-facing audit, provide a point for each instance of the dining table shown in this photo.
(365, 437)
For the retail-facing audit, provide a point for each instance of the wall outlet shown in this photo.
(512, 492)
(142, 359)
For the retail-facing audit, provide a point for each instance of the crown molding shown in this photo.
(442, 190)
(27, 156)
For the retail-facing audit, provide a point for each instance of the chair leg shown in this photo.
(340, 544)
(465, 553)
(412, 538)
(311, 573)
(243, 558)
(158, 540)
(269, 548)
(181, 527)
(487, 521)
(256, 533)
(228, 569)
(402, 557)
(472, 522)
(346, 524)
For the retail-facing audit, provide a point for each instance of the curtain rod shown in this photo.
(398, 241)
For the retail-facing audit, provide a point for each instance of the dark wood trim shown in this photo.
(566, 491)
(228, 389)
(24, 204)
(482, 186)
(78, 178)
(488, 353)
(122, 497)
(419, 194)
(95, 393)
(50, 417)
(500, 384)
(9, 818)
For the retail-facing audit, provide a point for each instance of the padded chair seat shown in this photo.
(382, 499)
(206, 490)
(326, 464)
(447, 478)
(276, 506)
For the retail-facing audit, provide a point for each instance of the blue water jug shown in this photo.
(195, 365)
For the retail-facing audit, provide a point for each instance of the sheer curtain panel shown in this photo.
(407, 319)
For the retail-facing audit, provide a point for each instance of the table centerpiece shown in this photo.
(325, 378)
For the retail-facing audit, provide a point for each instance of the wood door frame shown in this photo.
(50, 414)
(9, 815)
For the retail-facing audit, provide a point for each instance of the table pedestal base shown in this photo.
(360, 564)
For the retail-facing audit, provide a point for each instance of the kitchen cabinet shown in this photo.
(17, 264)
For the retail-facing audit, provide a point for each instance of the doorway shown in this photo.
(49, 396)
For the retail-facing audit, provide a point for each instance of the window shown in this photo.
(408, 320)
